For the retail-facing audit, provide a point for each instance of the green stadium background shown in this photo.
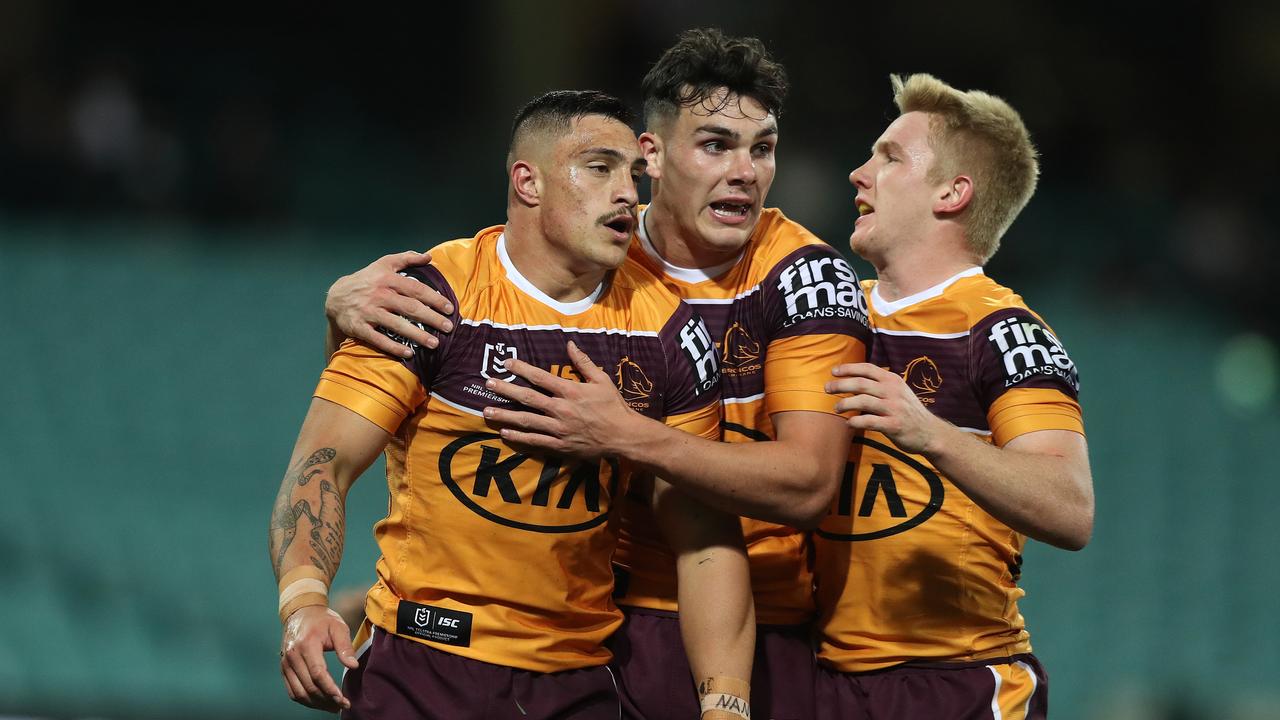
(159, 354)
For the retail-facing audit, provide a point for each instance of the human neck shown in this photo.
(912, 271)
(676, 245)
(562, 279)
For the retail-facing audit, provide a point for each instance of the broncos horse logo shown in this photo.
(922, 376)
(632, 382)
(738, 348)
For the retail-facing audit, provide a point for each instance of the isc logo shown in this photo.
(544, 494)
(439, 625)
(422, 618)
(810, 285)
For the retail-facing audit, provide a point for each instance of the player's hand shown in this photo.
(378, 297)
(578, 419)
(887, 405)
(308, 633)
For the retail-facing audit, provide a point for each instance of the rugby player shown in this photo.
(971, 438)
(782, 307)
(494, 583)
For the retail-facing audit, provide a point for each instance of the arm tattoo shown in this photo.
(319, 457)
(326, 519)
(327, 530)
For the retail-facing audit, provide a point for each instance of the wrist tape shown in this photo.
(302, 587)
(725, 698)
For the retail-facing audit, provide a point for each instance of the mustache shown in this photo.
(603, 219)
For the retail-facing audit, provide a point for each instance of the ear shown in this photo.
(653, 150)
(526, 183)
(954, 196)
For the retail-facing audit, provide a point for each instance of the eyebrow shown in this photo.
(726, 132)
(886, 146)
(615, 155)
(606, 151)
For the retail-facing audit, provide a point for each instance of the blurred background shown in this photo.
(180, 185)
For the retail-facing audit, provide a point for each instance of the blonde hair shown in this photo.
(979, 135)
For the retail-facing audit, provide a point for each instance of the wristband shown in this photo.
(302, 587)
(725, 698)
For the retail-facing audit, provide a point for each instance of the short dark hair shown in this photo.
(558, 109)
(704, 60)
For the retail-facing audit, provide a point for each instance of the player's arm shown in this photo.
(378, 297)
(790, 480)
(306, 539)
(717, 614)
(1038, 483)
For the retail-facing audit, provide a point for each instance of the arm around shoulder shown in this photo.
(380, 298)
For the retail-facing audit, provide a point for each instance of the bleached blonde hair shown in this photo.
(979, 135)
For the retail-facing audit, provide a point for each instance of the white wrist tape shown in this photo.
(302, 587)
(725, 703)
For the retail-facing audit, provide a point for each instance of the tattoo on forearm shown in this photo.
(319, 457)
(327, 530)
(327, 522)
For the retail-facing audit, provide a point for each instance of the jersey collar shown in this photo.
(683, 274)
(520, 281)
(886, 308)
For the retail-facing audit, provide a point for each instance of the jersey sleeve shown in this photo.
(816, 318)
(1024, 376)
(691, 401)
(382, 389)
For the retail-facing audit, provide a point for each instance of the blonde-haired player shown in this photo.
(973, 439)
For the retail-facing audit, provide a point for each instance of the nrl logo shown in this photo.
(422, 617)
(494, 355)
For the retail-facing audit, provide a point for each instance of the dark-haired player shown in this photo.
(973, 434)
(782, 307)
(493, 593)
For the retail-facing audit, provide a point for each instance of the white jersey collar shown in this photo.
(886, 308)
(683, 274)
(528, 288)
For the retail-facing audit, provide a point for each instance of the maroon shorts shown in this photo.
(657, 684)
(1014, 688)
(402, 679)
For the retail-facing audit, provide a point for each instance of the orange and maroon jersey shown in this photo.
(487, 552)
(908, 567)
(782, 313)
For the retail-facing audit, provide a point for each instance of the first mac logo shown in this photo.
(539, 494)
